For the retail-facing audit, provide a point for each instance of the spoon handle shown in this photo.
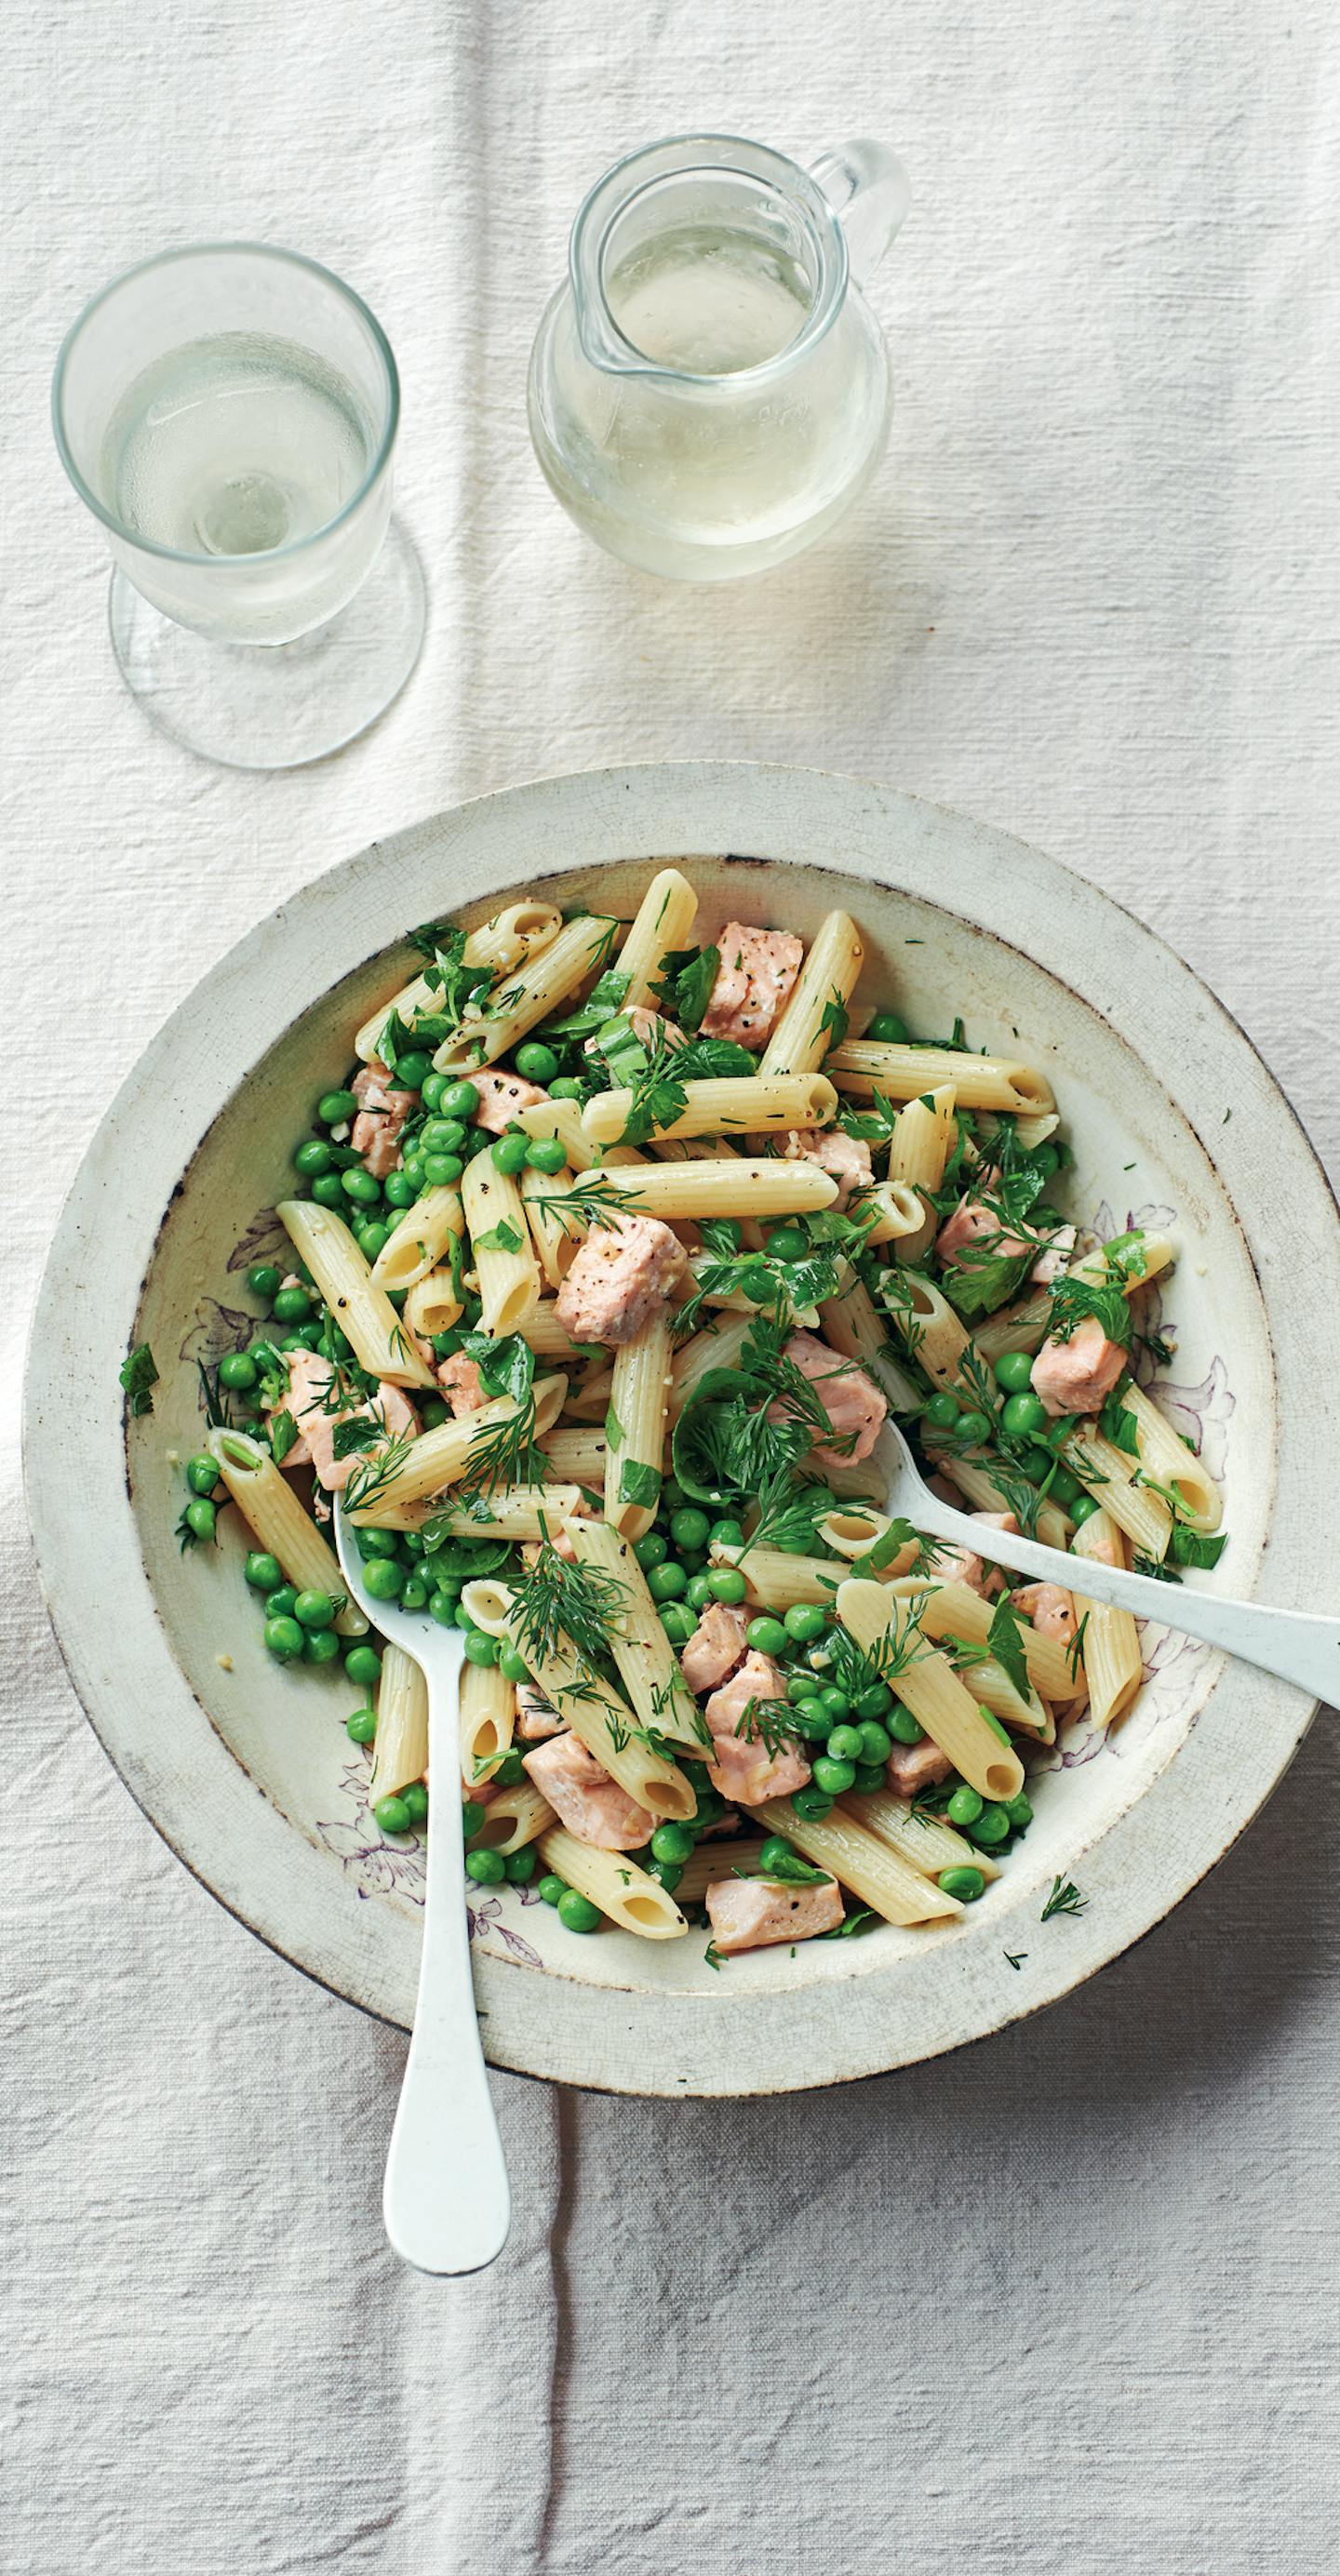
(1300, 1646)
(446, 2202)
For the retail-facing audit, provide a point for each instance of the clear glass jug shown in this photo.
(709, 391)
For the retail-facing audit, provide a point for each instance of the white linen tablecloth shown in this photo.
(1063, 2302)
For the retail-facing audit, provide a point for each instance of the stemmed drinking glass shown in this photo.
(229, 413)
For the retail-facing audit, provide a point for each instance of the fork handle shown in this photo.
(1299, 1646)
(446, 2201)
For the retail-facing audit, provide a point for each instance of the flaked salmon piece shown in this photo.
(461, 1384)
(620, 1276)
(501, 1097)
(743, 1769)
(913, 1767)
(974, 1222)
(749, 1913)
(311, 1381)
(383, 1109)
(1076, 1376)
(846, 1157)
(757, 971)
(1054, 1258)
(536, 1721)
(716, 1646)
(585, 1799)
(853, 1403)
(1051, 1609)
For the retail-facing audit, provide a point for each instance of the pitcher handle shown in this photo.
(867, 187)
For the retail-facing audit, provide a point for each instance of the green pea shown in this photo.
(360, 1186)
(511, 1771)
(509, 1153)
(292, 1306)
(442, 1607)
(334, 1107)
(439, 1170)
(707, 1806)
(412, 1167)
(667, 1873)
(546, 1154)
(869, 1777)
(433, 1410)
(481, 1648)
(312, 1157)
(552, 1887)
(1036, 1465)
(327, 1190)
(667, 1582)
(284, 1639)
(520, 1865)
(279, 1603)
(726, 1533)
(372, 1239)
(536, 1062)
(690, 1527)
(486, 1868)
(699, 1592)
(766, 1635)
(391, 1815)
(965, 1806)
(431, 1090)
(844, 1744)
(888, 1028)
(384, 1578)
(565, 1088)
(1065, 1489)
(787, 1243)
(1022, 1415)
(363, 1665)
(813, 1719)
(800, 1686)
(415, 1797)
(992, 1826)
(805, 1621)
(237, 1371)
(446, 1345)
(375, 1542)
(876, 1741)
(263, 1280)
(678, 1622)
(775, 1849)
(399, 1190)
(512, 1666)
(835, 1701)
(200, 1516)
(874, 1703)
(811, 1804)
(1014, 1372)
(651, 1550)
(201, 1473)
(320, 1646)
(1046, 1158)
(411, 1544)
(472, 1817)
(727, 1583)
(974, 1428)
(942, 1411)
(362, 1726)
(1083, 1509)
(966, 1884)
(834, 1777)
(413, 1069)
(1020, 1812)
(903, 1726)
(314, 1610)
(577, 1913)
(464, 1622)
(672, 1842)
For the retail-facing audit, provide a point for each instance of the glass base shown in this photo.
(277, 706)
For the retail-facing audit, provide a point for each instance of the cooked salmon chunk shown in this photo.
(622, 1273)
(742, 1768)
(974, 1222)
(753, 981)
(585, 1799)
(535, 1719)
(311, 1383)
(748, 1913)
(461, 1384)
(501, 1095)
(382, 1113)
(1051, 1609)
(1076, 1376)
(716, 1646)
(853, 1403)
(912, 1767)
(846, 1157)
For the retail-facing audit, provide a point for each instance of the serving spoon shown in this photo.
(1299, 1646)
(446, 2201)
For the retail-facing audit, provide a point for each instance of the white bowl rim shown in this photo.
(190, 1784)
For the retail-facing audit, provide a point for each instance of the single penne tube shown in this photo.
(488, 1716)
(489, 1604)
(523, 1513)
(514, 1817)
(719, 1346)
(589, 1402)
(1032, 1132)
(713, 1861)
(578, 1456)
(635, 1428)
(363, 1311)
(919, 1148)
(778, 1581)
(756, 1104)
(976, 1481)
(500, 1242)
(604, 1723)
(419, 1241)
(1165, 1457)
(935, 1336)
(553, 1242)
(905, 1072)
(563, 1118)
(440, 1458)
(953, 1610)
(435, 1304)
(278, 1523)
(516, 933)
(647, 1663)
(854, 1326)
(1109, 1474)
(400, 1746)
(614, 1883)
(855, 1478)
(818, 998)
(741, 1188)
(695, 1149)
(928, 1684)
(899, 1212)
(530, 992)
(662, 922)
(1020, 1327)
(925, 1842)
(541, 1328)
(1113, 1664)
(861, 1861)
(992, 1688)
(853, 1532)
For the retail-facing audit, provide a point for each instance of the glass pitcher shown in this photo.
(709, 391)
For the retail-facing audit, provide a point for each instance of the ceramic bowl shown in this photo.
(246, 1769)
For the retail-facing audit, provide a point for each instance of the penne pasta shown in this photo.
(488, 1715)
(1113, 1665)
(905, 1072)
(500, 1241)
(925, 1842)
(278, 1523)
(440, 1458)
(662, 923)
(362, 1310)
(531, 990)
(552, 1241)
(635, 1429)
(738, 1188)
(720, 1109)
(400, 1745)
(520, 931)
(513, 1818)
(715, 1860)
(927, 1683)
(425, 1232)
(614, 1883)
(434, 1304)
(817, 1004)
(604, 1723)
(862, 1861)
(577, 1455)
(648, 1666)
(1165, 1457)
(953, 1610)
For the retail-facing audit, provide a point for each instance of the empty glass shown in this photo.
(229, 413)
(709, 391)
